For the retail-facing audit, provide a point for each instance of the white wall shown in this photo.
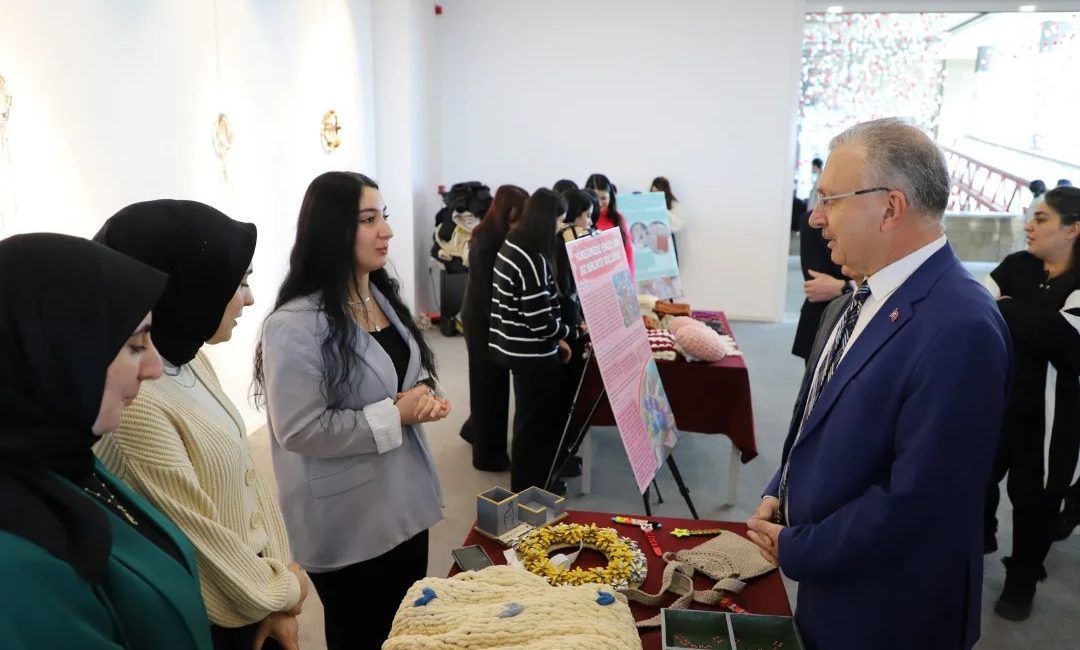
(114, 102)
(407, 149)
(700, 91)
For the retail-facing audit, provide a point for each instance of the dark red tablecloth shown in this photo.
(705, 397)
(763, 595)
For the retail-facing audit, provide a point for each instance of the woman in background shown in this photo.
(87, 563)
(563, 185)
(675, 214)
(528, 336)
(489, 383)
(340, 366)
(610, 217)
(575, 225)
(594, 216)
(1038, 292)
(183, 444)
(1038, 190)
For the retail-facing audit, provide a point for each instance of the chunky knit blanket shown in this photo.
(501, 607)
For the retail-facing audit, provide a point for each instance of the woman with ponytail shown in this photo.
(1038, 292)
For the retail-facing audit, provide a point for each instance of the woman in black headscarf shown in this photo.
(85, 562)
(183, 444)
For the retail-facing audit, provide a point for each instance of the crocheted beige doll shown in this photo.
(501, 607)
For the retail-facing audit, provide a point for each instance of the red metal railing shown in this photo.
(978, 187)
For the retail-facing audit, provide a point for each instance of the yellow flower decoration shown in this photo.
(625, 567)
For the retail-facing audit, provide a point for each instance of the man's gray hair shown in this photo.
(902, 157)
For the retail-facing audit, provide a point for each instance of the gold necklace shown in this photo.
(366, 321)
(110, 500)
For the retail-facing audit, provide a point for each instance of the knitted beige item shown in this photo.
(646, 302)
(198, 472)
(502, 607)
(728, 558)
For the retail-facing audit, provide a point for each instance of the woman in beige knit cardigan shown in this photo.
(182, 443)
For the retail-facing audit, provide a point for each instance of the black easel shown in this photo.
(560, 460)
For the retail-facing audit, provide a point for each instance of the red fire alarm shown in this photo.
(438, 10)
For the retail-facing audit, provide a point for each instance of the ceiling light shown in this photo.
(835, 9)
(1028, 8)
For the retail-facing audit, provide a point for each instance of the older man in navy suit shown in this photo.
(876, 509)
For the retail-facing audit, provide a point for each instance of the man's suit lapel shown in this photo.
(825, 327)
(897, 311)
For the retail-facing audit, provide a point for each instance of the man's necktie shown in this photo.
(824, 373)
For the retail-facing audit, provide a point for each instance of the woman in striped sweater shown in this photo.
(528, 335)
(183, 445)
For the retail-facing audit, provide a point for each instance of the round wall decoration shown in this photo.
(223, 141)
(331, 131)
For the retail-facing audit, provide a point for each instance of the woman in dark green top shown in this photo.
(84, 562)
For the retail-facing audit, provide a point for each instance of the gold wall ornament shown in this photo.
(8, 204)
(223, 141)
(331, 131)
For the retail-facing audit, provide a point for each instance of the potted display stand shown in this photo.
(503, 515)
(682, 629)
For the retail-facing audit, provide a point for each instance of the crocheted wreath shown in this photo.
(626, 563)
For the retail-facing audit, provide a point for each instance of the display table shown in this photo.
(705, 398)
(763, 595)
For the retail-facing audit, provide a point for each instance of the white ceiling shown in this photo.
(868, 6)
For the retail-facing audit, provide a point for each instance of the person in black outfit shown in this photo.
(1069, 517)
(564, 185)
(1038, 292)
(489, 384)
(528, 335)
(822, 281)
(798, 211)
(576, 224)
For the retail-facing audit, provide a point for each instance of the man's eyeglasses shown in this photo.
(825, 201)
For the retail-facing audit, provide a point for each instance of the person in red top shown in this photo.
(610, 217)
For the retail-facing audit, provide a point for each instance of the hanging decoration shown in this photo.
(7, 180)
(331, 131)
(223, 141)
(222, 135)
(5, 104)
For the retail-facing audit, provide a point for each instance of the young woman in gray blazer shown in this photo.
(347, 381)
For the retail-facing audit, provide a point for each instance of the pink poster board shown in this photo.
(638, 401)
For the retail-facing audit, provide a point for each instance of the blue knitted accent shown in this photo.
(429, 595)
(512, 610)
(604, 598)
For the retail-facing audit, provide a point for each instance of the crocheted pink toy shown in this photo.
(699, 343)
(680, 322)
